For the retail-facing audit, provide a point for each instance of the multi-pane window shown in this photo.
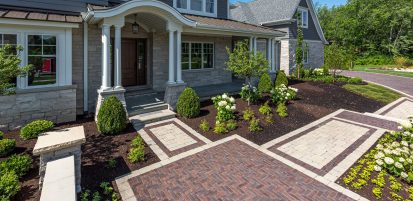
(306, 54)
(197, 56)
(210, 7)
(201, 7)
(304, 17)
(182, 4)
(9, 39)
(42, 55)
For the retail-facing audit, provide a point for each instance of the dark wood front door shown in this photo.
(133, 62)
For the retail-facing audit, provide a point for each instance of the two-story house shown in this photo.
(85, 50)
(281, 15)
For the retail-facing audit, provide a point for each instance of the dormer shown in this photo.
(209, 8)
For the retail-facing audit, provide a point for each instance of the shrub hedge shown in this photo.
(265, 84)
(34, 128)
(188, 104)
(281, 79)
(9, 185)
(7, 146)
(111, 117)
(19, 164)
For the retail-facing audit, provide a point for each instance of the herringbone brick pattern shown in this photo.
(230, 171)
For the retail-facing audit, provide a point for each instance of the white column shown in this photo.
(106, 78)
(274, 54)
(117, 59)
(255, 45)
(178, 57)
(251, 43)
(269, 52)
(171, 79)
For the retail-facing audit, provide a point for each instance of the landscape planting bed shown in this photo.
(315, 100)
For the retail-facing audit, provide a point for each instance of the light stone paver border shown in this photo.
(392, 104)
(155, 147)
(127, 194)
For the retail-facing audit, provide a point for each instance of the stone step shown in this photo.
(143, 92)
(147, 108)
(151, 117)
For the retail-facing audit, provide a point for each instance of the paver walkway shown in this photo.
(301, 165)
(398, 83)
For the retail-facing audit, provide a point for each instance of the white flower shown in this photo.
(403, 175)
(387, 151)
(395, 144)
(388, 160)
(379, 147)
(224, 96)
(217, 122)
(404, 143)
(232, 100)
(213, 98)
(379, 155)
(227, 107)
(401, 160)
(399, 127)
(398, 165)
(221, 103)
(396, 152)
(393, 132)
(377, 168)
(379, 162)
(409, 160)
(406, 124)
(233, 108)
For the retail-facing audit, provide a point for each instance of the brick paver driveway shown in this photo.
(402, 84)
(230, 171)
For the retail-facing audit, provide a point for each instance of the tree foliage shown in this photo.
(299, 47)
(10, 68)
(366, 27)
(336, 58)
(246, 64)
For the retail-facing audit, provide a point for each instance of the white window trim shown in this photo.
(302, 9)
(202, 56)
(63, 53)
(194, 12)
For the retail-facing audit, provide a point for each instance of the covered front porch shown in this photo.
(151, 52)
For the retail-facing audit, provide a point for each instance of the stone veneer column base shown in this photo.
(103, 94)
(172, 93)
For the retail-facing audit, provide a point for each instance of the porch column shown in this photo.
(255, 45)
(171, 78)
(117, 59)
(274, 55)
(269, 53)
(178, 57)
(106, 77)
(251, 43)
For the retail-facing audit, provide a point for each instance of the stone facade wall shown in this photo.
(54, 104)
(77, 66)
(193, 78)
(94, 65)
(287, 60)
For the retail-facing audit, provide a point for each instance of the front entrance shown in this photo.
(134, 65)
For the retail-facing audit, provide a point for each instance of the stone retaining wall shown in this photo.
(57, 104)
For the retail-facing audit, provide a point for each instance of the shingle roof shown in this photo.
(30, 15)
(261, 11)
(231, 24)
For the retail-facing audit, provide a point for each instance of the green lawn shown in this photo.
(375, 92)
(367, 68)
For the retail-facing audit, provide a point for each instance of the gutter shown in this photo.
(278, 22)
(86, 18)
(216, 28)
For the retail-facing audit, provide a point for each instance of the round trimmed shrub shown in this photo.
(9, 185)
(265, 84)
(188, 105)
(7, 146)
(34, 128)
(281, 79)
(111, 117)
(19, 164)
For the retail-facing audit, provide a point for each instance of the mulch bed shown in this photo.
(315, 100)
(97, 150)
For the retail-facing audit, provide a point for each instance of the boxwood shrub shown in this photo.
(281, 79)
(7, 146)
(19, 164)
(9, 185)
(137, 150)
(34, 128)
(265, 84)
(111, 117)
(188, 105)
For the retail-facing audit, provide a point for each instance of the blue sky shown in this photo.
(322, 2)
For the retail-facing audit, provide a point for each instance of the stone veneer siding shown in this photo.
(77, 66)
(57, 104)
(287, 60)
(217, 75)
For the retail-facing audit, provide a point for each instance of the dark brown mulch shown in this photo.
(315, 100)
(97, 150)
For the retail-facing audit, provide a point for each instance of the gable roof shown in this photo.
(271, 12)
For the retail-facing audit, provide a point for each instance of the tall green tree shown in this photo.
(246, 64)
(10, 68)
(336, 59)
(299, 47)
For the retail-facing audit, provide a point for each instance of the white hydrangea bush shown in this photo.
(225, 106)
(283, 94)
(395, 152)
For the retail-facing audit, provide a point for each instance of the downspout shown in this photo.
(85, 67)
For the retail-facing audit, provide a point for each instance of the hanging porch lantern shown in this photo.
(135, 27)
